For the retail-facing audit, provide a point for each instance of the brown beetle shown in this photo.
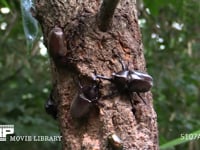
(57, 45)
(86, 98)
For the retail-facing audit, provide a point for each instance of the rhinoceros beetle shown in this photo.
(114, 142)
(86, 98)
(51, 107)
(128, 81)
(57, 45)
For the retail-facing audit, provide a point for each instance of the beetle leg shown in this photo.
(141, 97)
(124, 67)
(93, 102)
(100, 76)
(103, 77)
(132, 104)
(122, 63)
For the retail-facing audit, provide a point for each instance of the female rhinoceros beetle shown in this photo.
(87, 97)
(57, 45)
(51, 107)
(128, 81)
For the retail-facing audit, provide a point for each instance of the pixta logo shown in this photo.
(5, 130)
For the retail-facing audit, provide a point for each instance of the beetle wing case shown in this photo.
(140, 82)
(80, 106)
(56, 43)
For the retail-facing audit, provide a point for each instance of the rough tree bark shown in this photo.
(90, 49)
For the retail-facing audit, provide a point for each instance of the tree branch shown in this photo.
(106, 13)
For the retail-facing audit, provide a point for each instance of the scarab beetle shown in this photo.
(51, 107)
(56, 45)
(114, 142)
(128, 81)
(87, 97)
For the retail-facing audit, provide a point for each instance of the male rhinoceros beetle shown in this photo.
(128, 81)
(51, 107)
(87, 97)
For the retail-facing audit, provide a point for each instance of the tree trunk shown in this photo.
(87, 49)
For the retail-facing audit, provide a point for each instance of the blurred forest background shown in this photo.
(170, 31)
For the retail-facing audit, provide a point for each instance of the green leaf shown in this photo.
(4, 3)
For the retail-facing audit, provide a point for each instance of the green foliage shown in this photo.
(4, 3)
(171, 41)
(183, 138)
(25, 83)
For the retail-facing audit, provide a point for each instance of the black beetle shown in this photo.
(114, 142)
(128, 81)
(51, 107)
(87, 97)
